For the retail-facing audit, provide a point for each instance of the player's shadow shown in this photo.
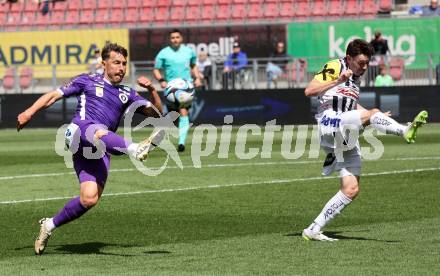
(337, 235)
(97, 248)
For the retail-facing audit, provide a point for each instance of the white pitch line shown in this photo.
(275, 181)
(12, 177)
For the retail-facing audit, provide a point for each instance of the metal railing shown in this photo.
(296, 73)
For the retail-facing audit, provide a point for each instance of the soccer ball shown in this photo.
(180, 92)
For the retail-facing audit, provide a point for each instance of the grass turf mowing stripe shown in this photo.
(276, 181)
(12, 177)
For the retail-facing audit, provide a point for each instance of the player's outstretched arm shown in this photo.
(154, 98)
(43, 102)
(316, 87)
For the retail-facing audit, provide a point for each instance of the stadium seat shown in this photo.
(42, 20)
(319, 8)
(396, 67)
(255, 11)
(87, 17)
(28, 18)
(3, 17)
(161, 14)
(133, 3)
(286, 10)
(131, 15)
(298, 69)
(119, 4)
(32, 6)
(105, 4)
(57, 18)
(352, 8)
(370, 8)
(76, 4)
(271, 10)
(117, 16)
(16, 7)
(26, 77)
(193, 3)
(303, 9)
(72, 17)
(335, 8)
(208, 13)
(177, 14)
(259, 1)
(223, 13)
(89, 5)
(59, 6)
(209, 2)
(240, 1)
(147, 3)
(385, 6)
(192, 13)
(164, 3)
(224, 2)
(239, 12)
(179, 3)
(102, 16)
(13, 19)
(9, 78)
(146, 15)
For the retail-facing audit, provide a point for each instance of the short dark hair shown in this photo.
(113, 47)
(359, 46)
(174, 31)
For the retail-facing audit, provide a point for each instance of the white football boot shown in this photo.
(149, 144)
(309, 235)
(43, 237)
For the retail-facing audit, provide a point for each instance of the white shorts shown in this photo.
(344, 154)
(349, 165)
(333, 125)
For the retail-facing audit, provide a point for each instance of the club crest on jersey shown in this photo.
(123, 97)
(99, 91)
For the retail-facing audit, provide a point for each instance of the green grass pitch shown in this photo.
(230, 217)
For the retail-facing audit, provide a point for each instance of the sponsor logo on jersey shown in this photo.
(99, 91)
(123, 97)
(348, 92)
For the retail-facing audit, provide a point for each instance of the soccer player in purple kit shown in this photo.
(102, 101)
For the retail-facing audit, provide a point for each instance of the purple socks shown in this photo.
(115, 144)
(72, 210)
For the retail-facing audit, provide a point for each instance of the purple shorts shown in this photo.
(89, 169)
(95, 170)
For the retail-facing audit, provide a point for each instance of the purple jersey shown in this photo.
(99, 102)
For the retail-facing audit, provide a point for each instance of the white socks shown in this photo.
(387, 124)
(132, 148)
(49, 224)
(333, 207)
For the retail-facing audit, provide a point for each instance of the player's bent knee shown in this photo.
(374, 111)
(99, 133)
(89, 201)
(351, 191)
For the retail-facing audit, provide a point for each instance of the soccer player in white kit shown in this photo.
(339, 113)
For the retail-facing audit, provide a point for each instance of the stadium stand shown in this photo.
(9, 78)
(320, 8)
(26, 77)
(370, 8)
(396, 65)
(21, 16)
(385, 6)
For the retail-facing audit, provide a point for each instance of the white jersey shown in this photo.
(341, 98)
(337, 105)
